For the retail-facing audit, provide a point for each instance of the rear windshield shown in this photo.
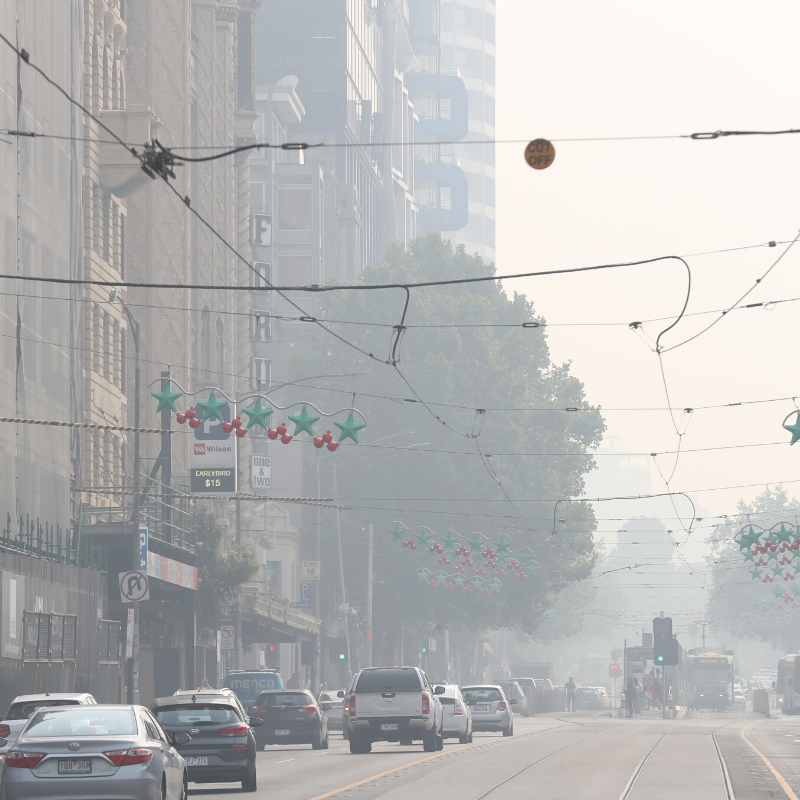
(196, 714)
(482, 695)
(283, 699)
(388, 680)
(82, 721)
(329, 698)
(24, 710)
(586, 691)
(447, 701)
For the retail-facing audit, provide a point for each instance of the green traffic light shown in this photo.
(660, 658)
(424, 649)
(341, 656)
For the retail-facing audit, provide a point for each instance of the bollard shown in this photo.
(622, 706)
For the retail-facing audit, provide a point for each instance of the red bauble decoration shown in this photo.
(190, 413)
(332, 446)
(237, 423)
(430, 548)
(286, 437)
(181, 418)
(227, 427)
(327, 437)
(273, 434)
(194, 423)
(440, 559)
(412, 546)
(405, 542)
(281, 428)
(240, 432)
(318, 442)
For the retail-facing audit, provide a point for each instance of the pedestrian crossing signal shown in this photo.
(614, 671)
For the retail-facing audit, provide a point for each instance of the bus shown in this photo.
(709, 681)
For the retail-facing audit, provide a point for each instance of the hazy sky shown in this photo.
(583, 69)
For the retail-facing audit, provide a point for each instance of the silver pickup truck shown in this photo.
(393, 704)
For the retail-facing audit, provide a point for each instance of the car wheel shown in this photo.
(360, 744)
(429, 741)
(250, 784)
(469, 741)
(185, 789)
(345, 733)
(440, 740)
(509, 731)
(464, 739)
(317, 745)
(164, 788)
(327, 742)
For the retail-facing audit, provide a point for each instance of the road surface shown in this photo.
(578, 755)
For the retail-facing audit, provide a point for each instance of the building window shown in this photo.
(261, 373)
(262, 326)
(109, 641)
(294, 208)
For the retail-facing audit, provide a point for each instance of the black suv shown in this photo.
(290, 717)
(223, 748)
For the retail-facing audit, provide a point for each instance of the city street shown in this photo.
(583, 754)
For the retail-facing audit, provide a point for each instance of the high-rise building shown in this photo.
(468, 50)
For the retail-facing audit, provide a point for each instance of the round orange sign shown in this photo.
(540, 154)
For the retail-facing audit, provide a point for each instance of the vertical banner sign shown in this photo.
(143, 542)
(219, 646)
(129, 632)
(260, 472)
(212, 456)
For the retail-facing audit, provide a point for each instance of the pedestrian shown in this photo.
(636, 694)
(630, 697)
(657, 691)
(205, 684)
(293, 682)
(570, 687)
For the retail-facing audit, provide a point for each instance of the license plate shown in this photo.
(483, 707)
(197, 761)
(74, 767)
(390, 726)
(283, 732)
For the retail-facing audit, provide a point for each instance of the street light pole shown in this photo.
(345, 614)
(369, 597)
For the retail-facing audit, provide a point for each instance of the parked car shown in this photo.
(222, 747)
(601, 691)
(346, 706)
(290, 717)
(516, 696)
(543, 683)
(396, 704)
(456, 714)
(94, 752)
(248, 684)
(332, 705)
(24, 706)
(491, 710)
(213, 694)
(587, 699)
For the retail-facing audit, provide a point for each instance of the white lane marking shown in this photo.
(286, 761)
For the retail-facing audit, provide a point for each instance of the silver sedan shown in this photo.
(95, 753)
(491, 710)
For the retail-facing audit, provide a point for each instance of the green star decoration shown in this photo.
(212, 407)
(777, 571)
(476, 583)
(350, 428)
(459, 580)
(495, 585)
(424, 538)
(772, 538)
(475, 544)
(783, 536)
(748, 555)
(398, 531)
(526, 559)
(303, 422)
(502, 547)
(778, 591)
(749, 539)
(795, 589)
(258, 415)
(449, 541)
(756, 572)
(794, 429)
(166, 398)
(441, 579)
(422, 574)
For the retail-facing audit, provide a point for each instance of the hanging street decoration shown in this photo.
(478, 554)
(257, 415)
(794, 428)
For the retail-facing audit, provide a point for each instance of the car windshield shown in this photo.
(388, 680)
(82, 721)
(482, 695)
(283, 699)
(26, 709)
(585, 690)
(196, 714)
(447, 701)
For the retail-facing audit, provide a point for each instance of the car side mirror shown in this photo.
(3, 742)
(179, 737)
(439, 690)
(256, 722)
(340, 693)
(252, 710)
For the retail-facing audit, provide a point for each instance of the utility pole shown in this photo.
(316, 675)
(346, 614)
(369, 597)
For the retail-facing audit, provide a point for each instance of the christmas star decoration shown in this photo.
(422, 574)
(304, 422)
(258, 415)
(794, 429)
(502, 547)
(777, 591)
(749, 539)
(166, 398)
(441, 579)
(212, 407)
(449, 542)
(777, 571)
(423, 537)
(783, 536)
(350, 428)
(526, 559)
(795, 590)
(398, 531)
(495, 585)
(756, 572)
(772, 538)
(748, 555)
(459, 580)
(476, 583)
(475, 543)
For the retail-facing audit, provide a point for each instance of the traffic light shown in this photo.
(337, 649)
(614, 671)
(424, 649)
(665, 648)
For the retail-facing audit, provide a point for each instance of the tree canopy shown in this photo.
(452, 461)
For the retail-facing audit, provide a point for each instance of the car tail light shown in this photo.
(352, 705)
(457, 712)
(501, 706)
(236, 730)
(17, 759)
(5, 731)
(239, 747)
(426, 704)
(124, 758)
(309, 709)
